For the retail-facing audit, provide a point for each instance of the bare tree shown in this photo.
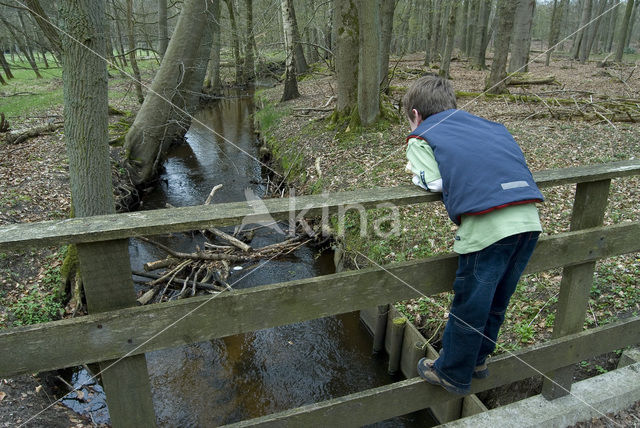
(622, 34)
(235, 40)
(496, 83)
(521, 38)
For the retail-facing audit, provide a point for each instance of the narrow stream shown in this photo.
(244, 376)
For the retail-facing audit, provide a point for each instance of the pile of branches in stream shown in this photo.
(205, 271)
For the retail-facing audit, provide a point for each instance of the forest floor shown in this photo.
(34, 186)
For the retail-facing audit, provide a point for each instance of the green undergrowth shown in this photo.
(41, 302)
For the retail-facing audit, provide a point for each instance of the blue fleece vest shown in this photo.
(481, 165)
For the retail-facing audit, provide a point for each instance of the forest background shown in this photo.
(560, 74)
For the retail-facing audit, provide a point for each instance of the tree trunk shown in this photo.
(506, 11)
(5, 65)
(249, 66)
(368, 62)
(470, 26)
(105, 267)
(521, 42)
(451, 34)
(163, 28)
(429, 32)
(20, 43)
(290, 81)
(557, 16)
(593, 32)
(386, 26)
(172, 98)
(622, 34)
(611, 30)
(481, 36)
(213, 83)
(235, 41)
(132, 52)
(634, 16)
(2, 82)
(300, 61)
(346, 57)
(435, 50)
(582, 29)
(119, 36)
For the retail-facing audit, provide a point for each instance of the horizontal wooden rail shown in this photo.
(131, 331)
(410, 395)
(153, 222)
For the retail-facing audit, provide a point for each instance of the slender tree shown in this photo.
(5, 65)
(521, 38)
(582, 29)
(429, 32)
(450, 40)
(249, 73)
(235, 40)
(132, 52)
(45, 24)
(586, 50)
(386, 26)
(300, 60)
(163, 27)
(290, 80)
(622, 34)
(557, 16)
(611, 27)
(506, 11)
(213, 82)
(481, 37)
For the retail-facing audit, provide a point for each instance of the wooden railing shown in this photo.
(133, 331)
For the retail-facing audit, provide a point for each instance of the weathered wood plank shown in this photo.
(588, 211)
(153, 222)
(137, 330)
(410, 395)
(106, 275)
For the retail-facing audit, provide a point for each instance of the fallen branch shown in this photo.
(234, 241)
(199, 285)
(524, 81)
(18, 137)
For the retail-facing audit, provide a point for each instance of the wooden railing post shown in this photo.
(588, 211)
(106, 275)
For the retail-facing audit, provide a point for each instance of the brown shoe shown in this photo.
(428, 373)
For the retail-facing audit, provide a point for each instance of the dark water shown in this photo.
(245, 376)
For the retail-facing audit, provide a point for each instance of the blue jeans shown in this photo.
(485, 281)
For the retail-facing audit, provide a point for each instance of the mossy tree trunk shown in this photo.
(249, 62)
(346, 57)
(172, 99)
(368, 61)
(104, 266)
